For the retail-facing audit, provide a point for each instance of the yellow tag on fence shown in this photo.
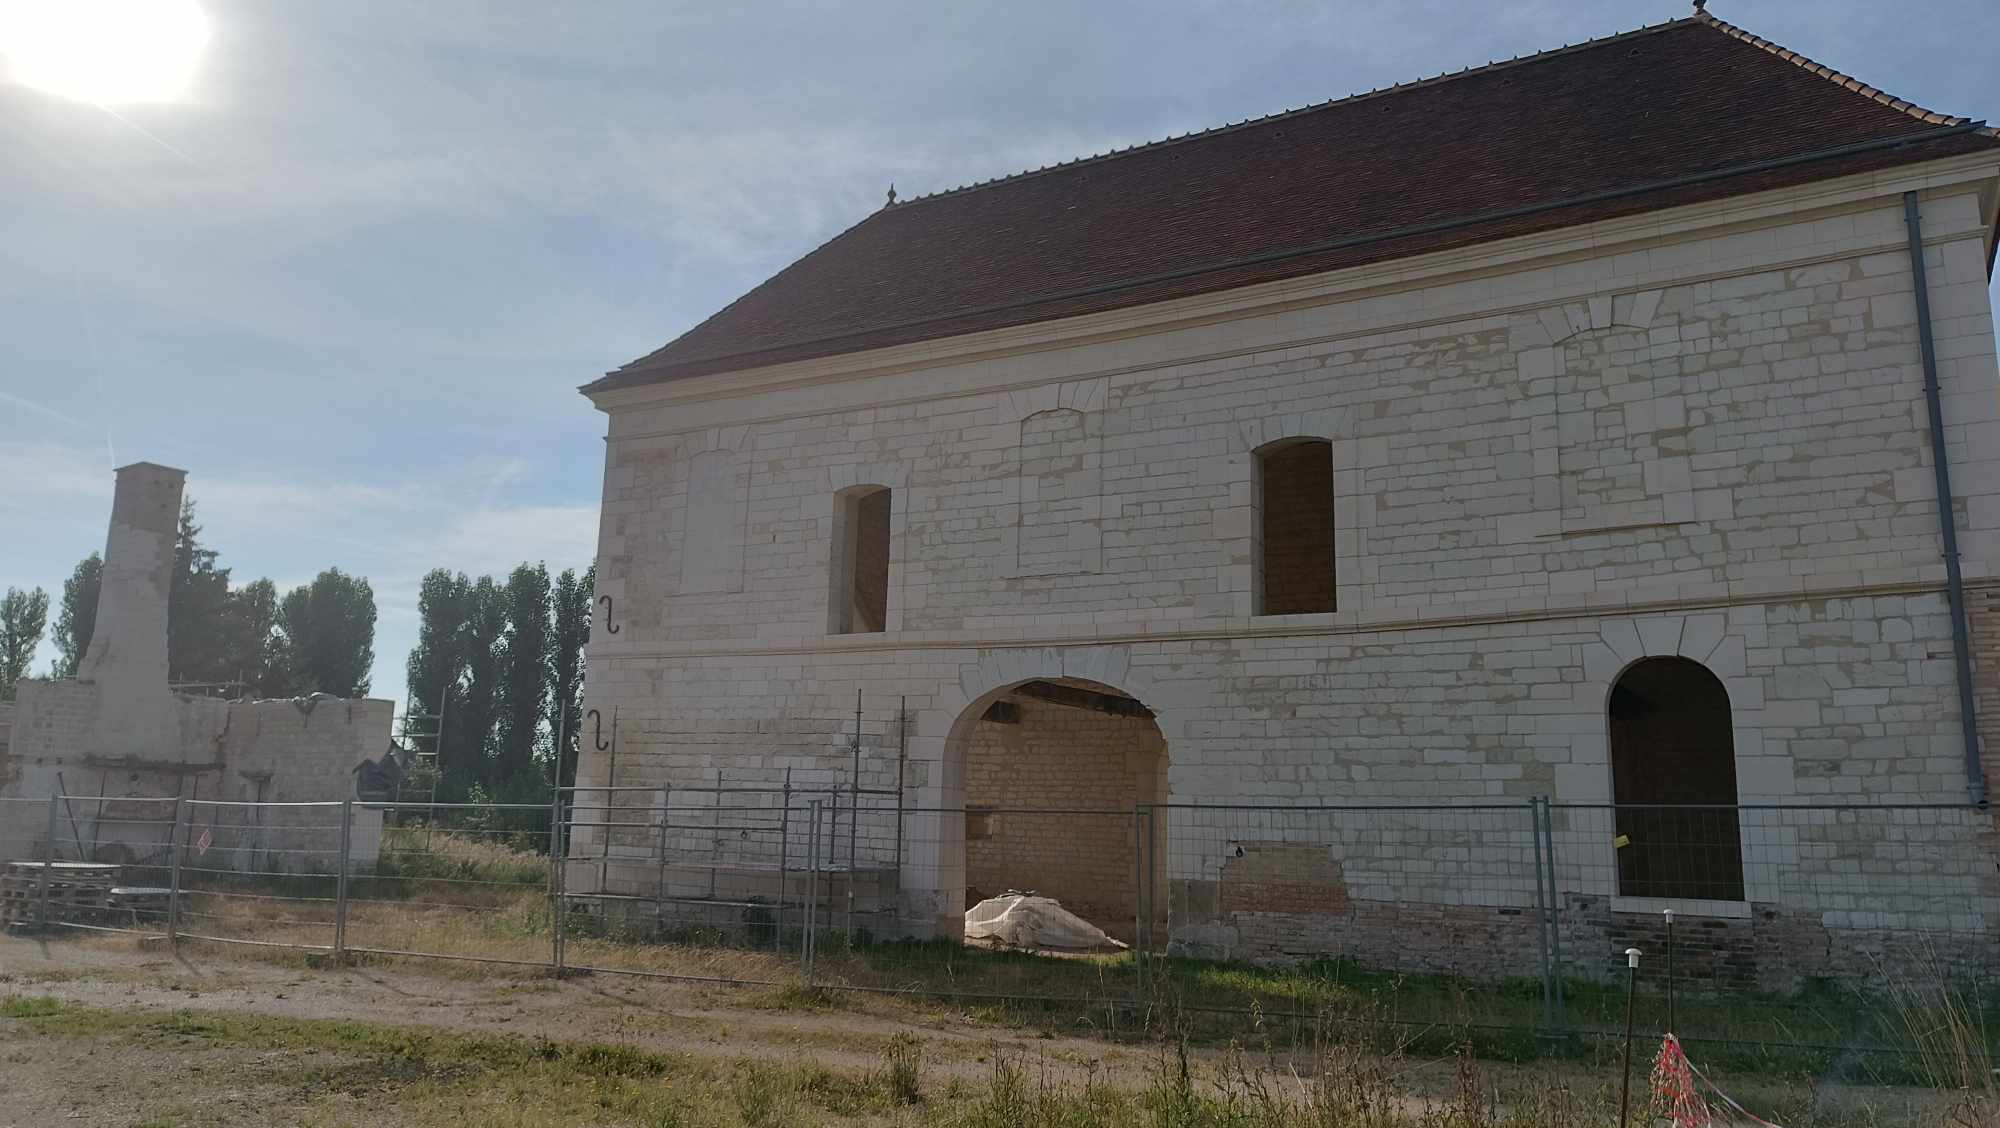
(1622, 841)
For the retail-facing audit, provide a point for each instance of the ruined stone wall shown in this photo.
(1704, 441)
(116, 737)
(233, 752)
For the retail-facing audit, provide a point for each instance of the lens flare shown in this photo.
(106, 52)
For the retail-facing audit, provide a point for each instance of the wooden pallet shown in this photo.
(71, 890)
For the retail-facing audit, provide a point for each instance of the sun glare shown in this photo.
(106, 52)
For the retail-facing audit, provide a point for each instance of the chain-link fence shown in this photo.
(1792, 925)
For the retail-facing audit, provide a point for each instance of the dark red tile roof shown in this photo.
(1607, 128)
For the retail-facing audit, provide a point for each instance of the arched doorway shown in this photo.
(1053, 769)
(1673, 776)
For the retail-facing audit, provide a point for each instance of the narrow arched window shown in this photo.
(860, 572)
(1294, 571)
(1673, 777)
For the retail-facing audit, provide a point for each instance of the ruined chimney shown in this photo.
(127, 657)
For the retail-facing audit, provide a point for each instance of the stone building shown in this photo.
(1554, 428)
(118, 739)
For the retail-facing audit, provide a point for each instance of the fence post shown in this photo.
(660, 886)
(340, 882)
(853, 816)
(902, 762)
(48, 862)
(784, 860)
(1548, 832)
(1153, 835)
(1142, 922)
(1542, 919)
(556, 855)
(812, 892)
(174, 835)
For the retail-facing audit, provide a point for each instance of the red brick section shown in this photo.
(1182, 217)
(1982, 607)
(1282, 877)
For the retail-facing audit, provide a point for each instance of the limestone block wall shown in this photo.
(1780, 437)
(1699, 435)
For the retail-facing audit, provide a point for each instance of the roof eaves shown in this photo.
(1845, 81)
(647, 360)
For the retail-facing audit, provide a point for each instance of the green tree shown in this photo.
(524, 672)
(572, 608)
(77, 616)
(437, 662)
(454, 668)
(469, 735)
(23, 616)
(251, 620)
(326, 635)
(198, 642)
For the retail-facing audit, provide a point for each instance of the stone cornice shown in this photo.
(1387, 620)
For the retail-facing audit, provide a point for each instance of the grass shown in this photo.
(454, 895)
(317, 1071)
(412, 856)
(425, 1077)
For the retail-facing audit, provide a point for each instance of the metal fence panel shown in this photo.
(257, 873)
(1783, 925)
(452, 881)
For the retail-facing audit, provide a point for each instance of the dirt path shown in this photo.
(707, 1022)
(699, 1020)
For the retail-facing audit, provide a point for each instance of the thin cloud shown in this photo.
(411, 230)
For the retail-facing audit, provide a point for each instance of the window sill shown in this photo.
(1682, 907)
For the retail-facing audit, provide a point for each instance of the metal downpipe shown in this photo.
(1975, 771)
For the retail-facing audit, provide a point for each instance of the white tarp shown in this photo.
(1024, 920)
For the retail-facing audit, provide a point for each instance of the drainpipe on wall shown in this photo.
(1975, 772)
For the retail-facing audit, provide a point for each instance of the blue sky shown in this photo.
(352, 279)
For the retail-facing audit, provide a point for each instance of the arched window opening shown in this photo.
(1294, 528)
(1673, 777)
(860, 593)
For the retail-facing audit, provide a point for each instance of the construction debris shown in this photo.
(1026, 920)
(76, 891)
